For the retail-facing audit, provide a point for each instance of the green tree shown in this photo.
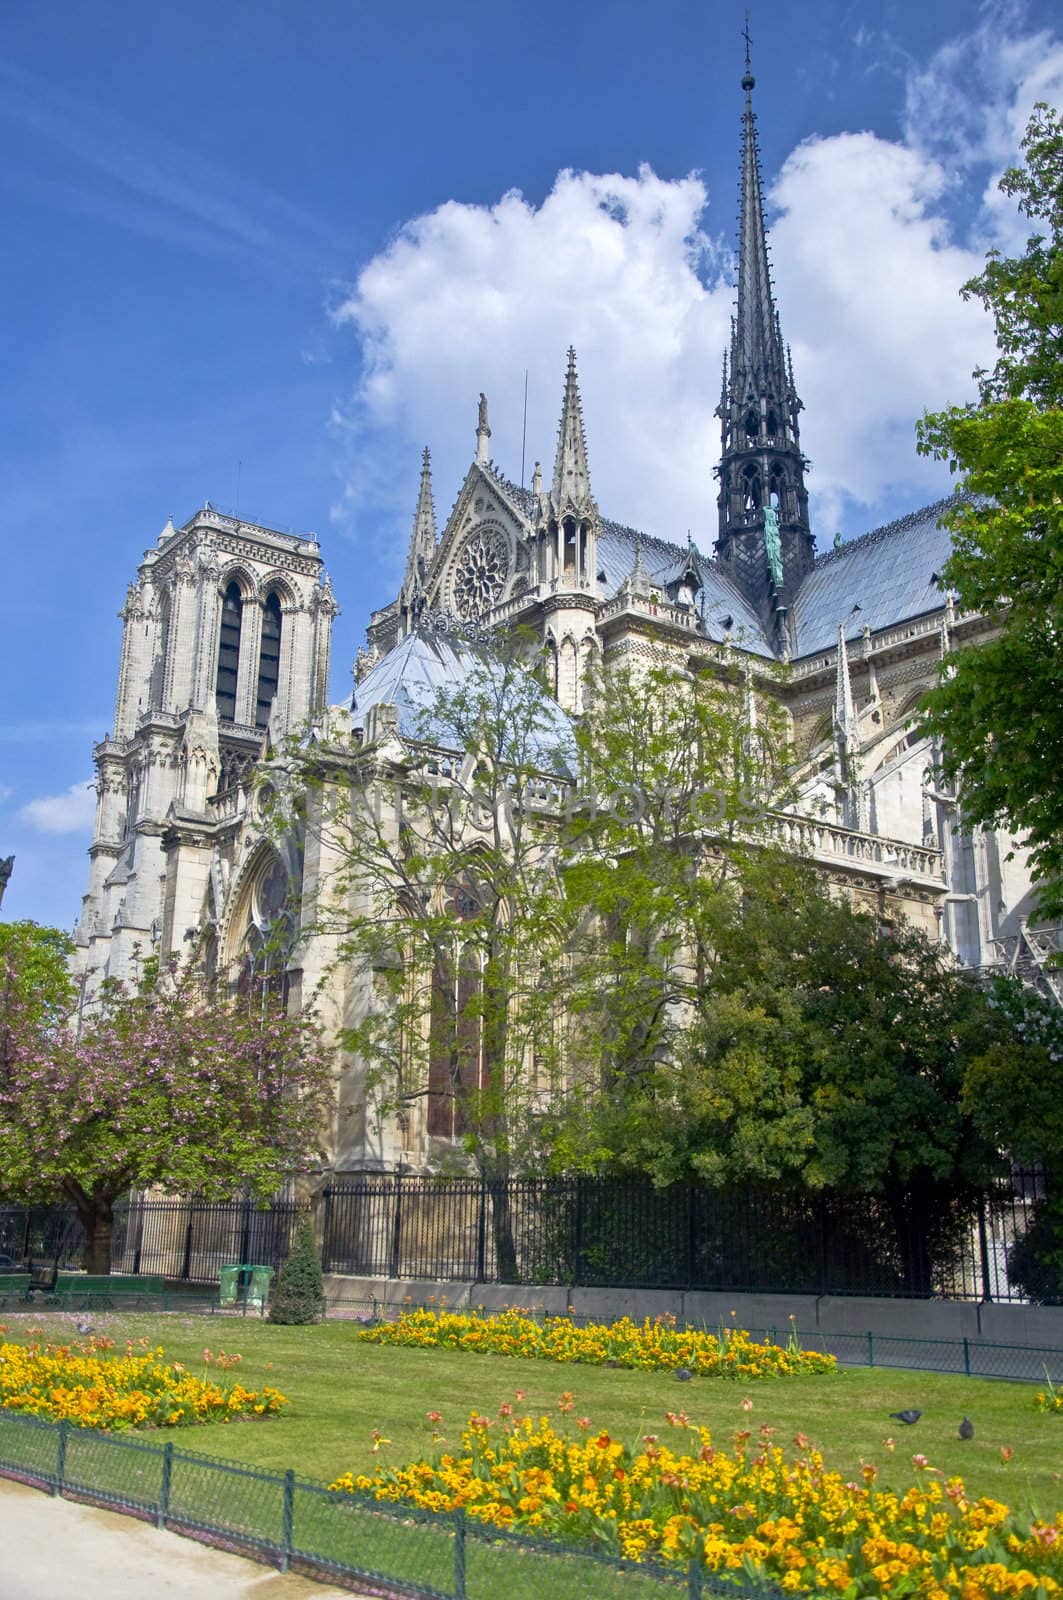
(439, 884)
(299, 1293)
(825, 1054)
(677, 769)
(998, 709)
(35, 976)
(159, 1087)
(1012, 1094)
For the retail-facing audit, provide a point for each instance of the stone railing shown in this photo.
(229, 806)
(661, 611)
(871, 852)
(882, 643)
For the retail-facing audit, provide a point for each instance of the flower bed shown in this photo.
(84, 1384)
(648, 1345)
(752, 1509)
(1050, 1398)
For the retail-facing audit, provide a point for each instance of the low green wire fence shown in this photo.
(974, 1358)
(289, 1522)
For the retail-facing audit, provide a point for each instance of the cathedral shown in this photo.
(225, 652)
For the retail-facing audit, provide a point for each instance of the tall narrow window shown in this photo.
(232, 608)
(157, 689)
(269, 660)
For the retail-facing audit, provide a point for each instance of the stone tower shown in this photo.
(764, 542)
(226, 636)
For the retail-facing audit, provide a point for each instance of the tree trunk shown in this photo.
(912, 1210)
(98, 1241)
(96, 1214)
(502, 1228)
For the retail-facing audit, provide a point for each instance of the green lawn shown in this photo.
(341, 1389)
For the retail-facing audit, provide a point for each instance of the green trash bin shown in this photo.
(258, 1290)
(229, 1286)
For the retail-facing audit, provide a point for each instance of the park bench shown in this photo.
(43, 1277)
(13, 1289)
(84, 1291)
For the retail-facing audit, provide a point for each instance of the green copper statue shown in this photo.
(773, 544)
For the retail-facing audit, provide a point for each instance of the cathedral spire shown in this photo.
(423, 536)
(572, 482)
(757, 354)
(764, 534)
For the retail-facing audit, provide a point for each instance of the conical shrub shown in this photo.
(299, 1293)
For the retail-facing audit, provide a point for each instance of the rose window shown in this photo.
(480, 575)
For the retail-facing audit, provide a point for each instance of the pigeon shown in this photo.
(907, 1417)
(966, 1428)
(684, 1374)
(84, 1326)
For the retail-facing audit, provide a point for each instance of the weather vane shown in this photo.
(749, 41)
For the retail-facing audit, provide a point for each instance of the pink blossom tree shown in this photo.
(161, 1085)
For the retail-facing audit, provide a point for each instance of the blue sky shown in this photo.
(263, 253)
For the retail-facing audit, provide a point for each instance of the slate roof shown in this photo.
(889, 573)
(665, 564)
(415, 670)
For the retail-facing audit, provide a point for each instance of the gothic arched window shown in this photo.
(232, 614)
(269, 659)
(751, 488)
(455, 1063)
(268, 934)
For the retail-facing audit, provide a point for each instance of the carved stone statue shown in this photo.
(773, 544)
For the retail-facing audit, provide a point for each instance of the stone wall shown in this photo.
(1020, 1325)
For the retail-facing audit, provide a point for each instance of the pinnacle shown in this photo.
(571, 474)
(423, 536)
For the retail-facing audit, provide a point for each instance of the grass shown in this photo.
(342, 1389)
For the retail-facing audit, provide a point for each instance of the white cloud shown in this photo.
(968, 107)
(631, 270)
(878, 328)
(72, 812)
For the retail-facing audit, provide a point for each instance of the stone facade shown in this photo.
(225, 650)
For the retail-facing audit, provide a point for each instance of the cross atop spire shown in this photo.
(572, 482)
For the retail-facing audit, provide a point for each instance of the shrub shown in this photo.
(299, 1293)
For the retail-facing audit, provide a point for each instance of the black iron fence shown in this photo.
(193, 1240)
(592, 1232)
(606, 1233)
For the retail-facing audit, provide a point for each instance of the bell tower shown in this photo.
(764, 538)
(226, 639)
